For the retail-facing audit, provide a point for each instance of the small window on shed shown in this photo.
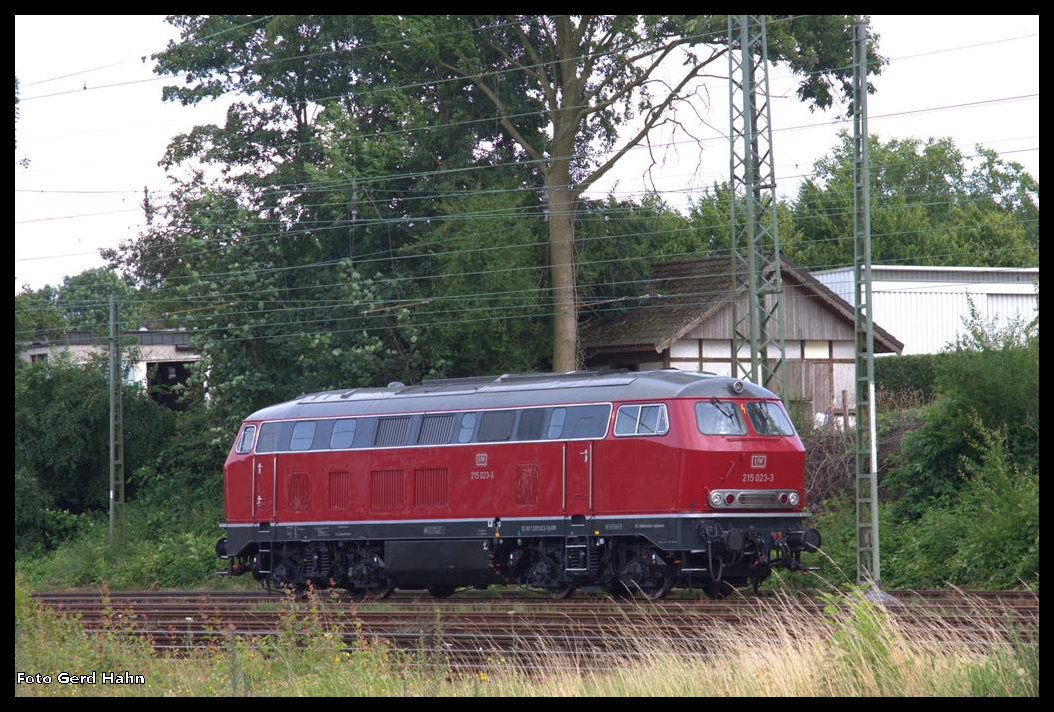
(303, 434)
(245, 442)
(343, 434)
(268, 440)
(391, 431)
(496, 425)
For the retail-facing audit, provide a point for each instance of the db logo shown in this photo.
(758, 461)
(481, 459)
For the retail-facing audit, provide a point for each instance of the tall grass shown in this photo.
(856, 648)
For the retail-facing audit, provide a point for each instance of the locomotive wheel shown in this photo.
(441, 591)
(649, 581)
(655, 588)
(719, 589)
(371, 594)
(562, 593)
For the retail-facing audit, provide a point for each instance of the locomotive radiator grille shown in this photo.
(758, 499)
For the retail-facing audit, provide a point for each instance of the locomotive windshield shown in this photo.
(719, 418)
(768, 419)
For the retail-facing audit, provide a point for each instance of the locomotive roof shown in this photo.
(511, 391)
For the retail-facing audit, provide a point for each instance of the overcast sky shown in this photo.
(92, 125)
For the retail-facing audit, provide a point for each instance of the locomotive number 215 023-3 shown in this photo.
(759, 477)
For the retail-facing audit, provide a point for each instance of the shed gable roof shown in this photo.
(689, 293)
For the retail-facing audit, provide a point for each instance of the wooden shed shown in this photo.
(686, 323)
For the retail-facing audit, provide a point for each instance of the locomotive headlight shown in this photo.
(715, 499)
(794, 499)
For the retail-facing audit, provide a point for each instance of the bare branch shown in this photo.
(655, 115)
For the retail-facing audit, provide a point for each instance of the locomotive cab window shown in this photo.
(719, 417)
(768, 419)
(268, 440)
(641, 420)
(245, 442)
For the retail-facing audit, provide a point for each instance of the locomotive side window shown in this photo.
(303, 434)
(719, 418)
(391, 431)
(268, 440)
(768, 419)
(578, 422)
(435, 429)
(556, 423)
(496, 425)
(468, 424)
(652, 420)
(587, 421)
(641, 420)
(530, 427)
(343, 434)
(245, 442)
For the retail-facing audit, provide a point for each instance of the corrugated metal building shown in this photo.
(926, 306)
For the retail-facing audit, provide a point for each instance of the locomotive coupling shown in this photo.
(731, 540)
(808, 540)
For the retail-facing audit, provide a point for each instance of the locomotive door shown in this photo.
(265, 476)
(578, 477)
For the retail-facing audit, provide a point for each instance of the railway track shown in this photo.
(519, 627)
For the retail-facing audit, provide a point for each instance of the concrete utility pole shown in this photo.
(756, 269)
(868, 563)
(116, 429)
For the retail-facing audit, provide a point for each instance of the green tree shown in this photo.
(80, 303)
(551, 95)
(589, 77)
(930, 205)
(711, 216)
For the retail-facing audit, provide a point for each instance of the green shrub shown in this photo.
(914, 374)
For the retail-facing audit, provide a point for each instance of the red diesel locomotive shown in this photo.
(634, 482)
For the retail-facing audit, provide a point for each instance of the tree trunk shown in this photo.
(561, 257)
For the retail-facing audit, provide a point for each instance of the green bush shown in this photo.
(907, 375)
(987, 536)
(62, 426)
(990, 382)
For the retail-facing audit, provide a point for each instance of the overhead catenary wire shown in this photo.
(534, 309)
(380, 259)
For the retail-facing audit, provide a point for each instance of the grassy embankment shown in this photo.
(860, 649)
